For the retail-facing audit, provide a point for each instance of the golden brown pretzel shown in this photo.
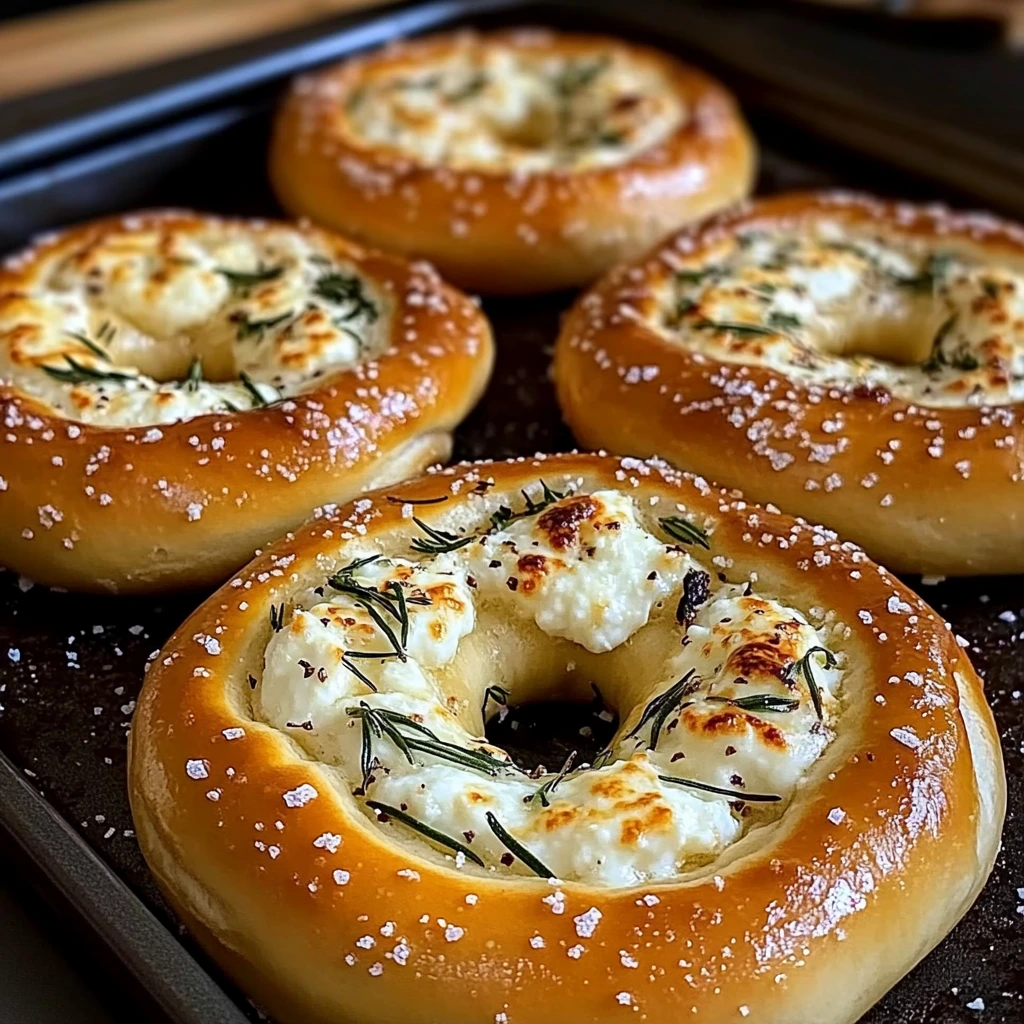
(818, 675)
(178, 389)
(516, 161)
(854, 361)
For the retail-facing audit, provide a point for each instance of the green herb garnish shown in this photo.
(242, 281)
(761, 702)
(424, 830)
(733, 794)
(496, 693)
(804, 667)
(660, 707)
(423, 740)
(194, 377)
(684, 531)
(505, 515)
(437, 542)
(90, 344)
(515, 847)
(345, 290)
(549, 787)
(248, 328)
(577, 75)
(77, 373)
(257, 396)
(474, 84)
(783, 322)
(734, 328)
(931, 275)
(277, 617)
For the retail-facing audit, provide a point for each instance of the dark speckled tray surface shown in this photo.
(71, 666)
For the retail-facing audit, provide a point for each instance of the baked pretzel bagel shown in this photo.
(178, 389)
(805, 774)
(856, 362)
(519, 161)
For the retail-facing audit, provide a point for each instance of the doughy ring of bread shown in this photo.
(854, 361)
(322, 912)
(518, 161)
(139, 455)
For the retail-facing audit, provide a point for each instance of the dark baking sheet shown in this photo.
(71, 666)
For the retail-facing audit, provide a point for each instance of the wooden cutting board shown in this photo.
(41, 52)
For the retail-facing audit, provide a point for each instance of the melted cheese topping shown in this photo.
(492, 107)
(584, 569)
(150, 325)
(729, 707)
(840, 306)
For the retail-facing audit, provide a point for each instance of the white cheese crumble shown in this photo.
(491, 105)
(584, 569)
(835, 304)
(740, 714)
(153, 323)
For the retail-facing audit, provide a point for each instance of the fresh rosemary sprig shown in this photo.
(931, 275)
(577, 75)
(803, 667)
(660, 707)
(258, 401)
(242, 281)
(684, 531)
(424, 830)
(735, 328)
(760, 702)
(392, 600)
(361, 676)
(345, 290)
(496, 693)
(277, 617)
(696, 590)
(366, 752)
(91, 345)
(937, 359)
(424, 741)
(783, 323)
(549, 787)
(732, 794)
(247, 328)
(396, 500)
(474, 84)
(77, 373)
(698, 275)
(537, 866)
(504, 515)
(194, 377)
(437, 541)
(401, 614)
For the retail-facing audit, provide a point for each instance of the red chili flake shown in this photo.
(678, 755)
(252, 682)
(507, 859)
(470, 835)
(307, 669)
(512, 583)
(494, 564)
(736, 780)
(321, 674)
(730, 750)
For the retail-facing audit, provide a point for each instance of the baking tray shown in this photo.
(70, 667)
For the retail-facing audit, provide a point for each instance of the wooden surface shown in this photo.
(44, 51)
